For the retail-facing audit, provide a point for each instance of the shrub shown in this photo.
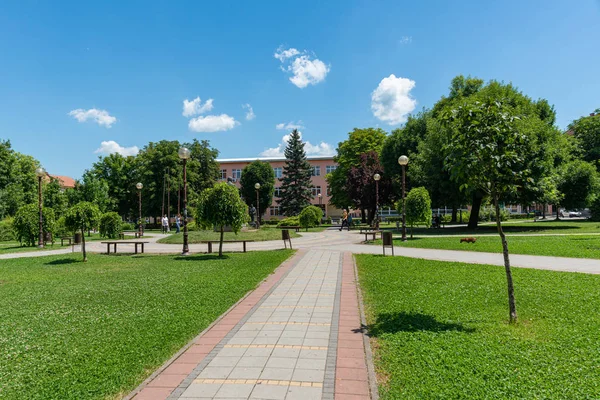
(191, 226)
(110, 225)
(6, 230)
(61, 228)
(328, 221)
(488, 214)
(26, 223)
(127, 226)
(289, 221)
(310, 216)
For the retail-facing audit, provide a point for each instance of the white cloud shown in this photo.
(101, 117)
(405, 40)
(290, 126)
(111, 147)
(195, 107)
(283, 55)
(391, 102)
(321, 149)
(305, 70)
(249, 112)
(212, 123)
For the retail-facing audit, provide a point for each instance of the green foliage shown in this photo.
(296, 182)
(128, 226)
(289, 221)
(110, 225)
(55, 197)
(123, 316)
(82, 216)
(587, 132)
(257, 235)
(6, 229)
(441, 332)
(258, 172)
(222, 206)
(192, 226)
(418, 206)
(26, 223)
(61, 228)
(488, 214)
(18, 182)
(578, 184)
(595, 209)
(310, 216)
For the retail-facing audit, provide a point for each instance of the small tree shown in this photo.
(578, 184)
(296, 182)
(26, 224)
(487, 151)
(310, 216)
(222, 206)
(110, 225)
(418, 207)
(83, 216)
(258, 172)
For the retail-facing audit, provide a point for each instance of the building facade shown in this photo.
(321, 166)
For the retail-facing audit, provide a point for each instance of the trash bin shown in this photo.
(387, 241)
(77, 238)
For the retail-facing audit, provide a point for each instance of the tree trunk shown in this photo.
(363, 215)
(557, 211)
(454, 213)
(543, 211)
(221, 243)
(83, 243)
(411, 231)
(511, 291)
(475, 207)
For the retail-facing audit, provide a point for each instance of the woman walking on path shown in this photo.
(345, 221)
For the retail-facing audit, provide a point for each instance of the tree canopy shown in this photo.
(258, 172)
(296, 186)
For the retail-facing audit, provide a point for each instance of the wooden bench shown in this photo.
(296, 228)
(371, 232)
(115, 242)
(366, 230)
(62, 240)
(136, 233)
(210, 243)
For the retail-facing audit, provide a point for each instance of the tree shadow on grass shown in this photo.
(202, 257)
(412, 322)
(63, 261)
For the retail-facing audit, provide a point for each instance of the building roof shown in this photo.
(232, 160)
(65, 182)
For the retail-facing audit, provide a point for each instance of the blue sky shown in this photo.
(76, 74)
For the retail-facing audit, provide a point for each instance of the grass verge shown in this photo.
(578, 246)
(199, 236)
(73, 330)
(439, 330)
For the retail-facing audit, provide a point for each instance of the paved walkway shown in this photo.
(290, 339)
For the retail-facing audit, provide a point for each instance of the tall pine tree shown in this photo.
(296, 185)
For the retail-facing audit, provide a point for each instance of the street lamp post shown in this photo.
(257, 187)
(184, 154)
(403, 161)
(139, 187)
(40, 174)
(377, 177)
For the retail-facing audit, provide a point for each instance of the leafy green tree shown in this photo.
(348, 155)
(587, 131)
(26, 223)
(258, 172)
(418, 208)
(310, 216)
(82, 216)
(222, 206)
(55, 197)
(491, 154)
(578, 185)
(110, 225)
(95, 190)
(18, 182)
(120, 175)
(296, 183)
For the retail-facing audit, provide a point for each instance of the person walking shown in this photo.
(344, 221)
(178, 223)
(165, 224)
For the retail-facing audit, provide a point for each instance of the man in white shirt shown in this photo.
(165, 224)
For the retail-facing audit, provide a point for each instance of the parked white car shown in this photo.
(574, 214)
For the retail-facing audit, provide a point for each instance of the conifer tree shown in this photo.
(296, 185)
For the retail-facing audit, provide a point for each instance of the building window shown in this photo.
(274, 211)
(223, 174)
(236, 173)
(330, 168)
(316, 190)
(277, 192)
(316, 170)
(328, 191)
(278, 172)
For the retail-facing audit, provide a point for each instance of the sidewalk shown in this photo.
(292, 338)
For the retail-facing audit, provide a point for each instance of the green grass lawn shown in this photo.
(198, 236)
(439, 330)
(526, 227)
(579, 246)
(95, 330)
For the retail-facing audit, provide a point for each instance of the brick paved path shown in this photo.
(281, 342)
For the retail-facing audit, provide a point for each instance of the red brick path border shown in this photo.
(351, 375)
(160, 384)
